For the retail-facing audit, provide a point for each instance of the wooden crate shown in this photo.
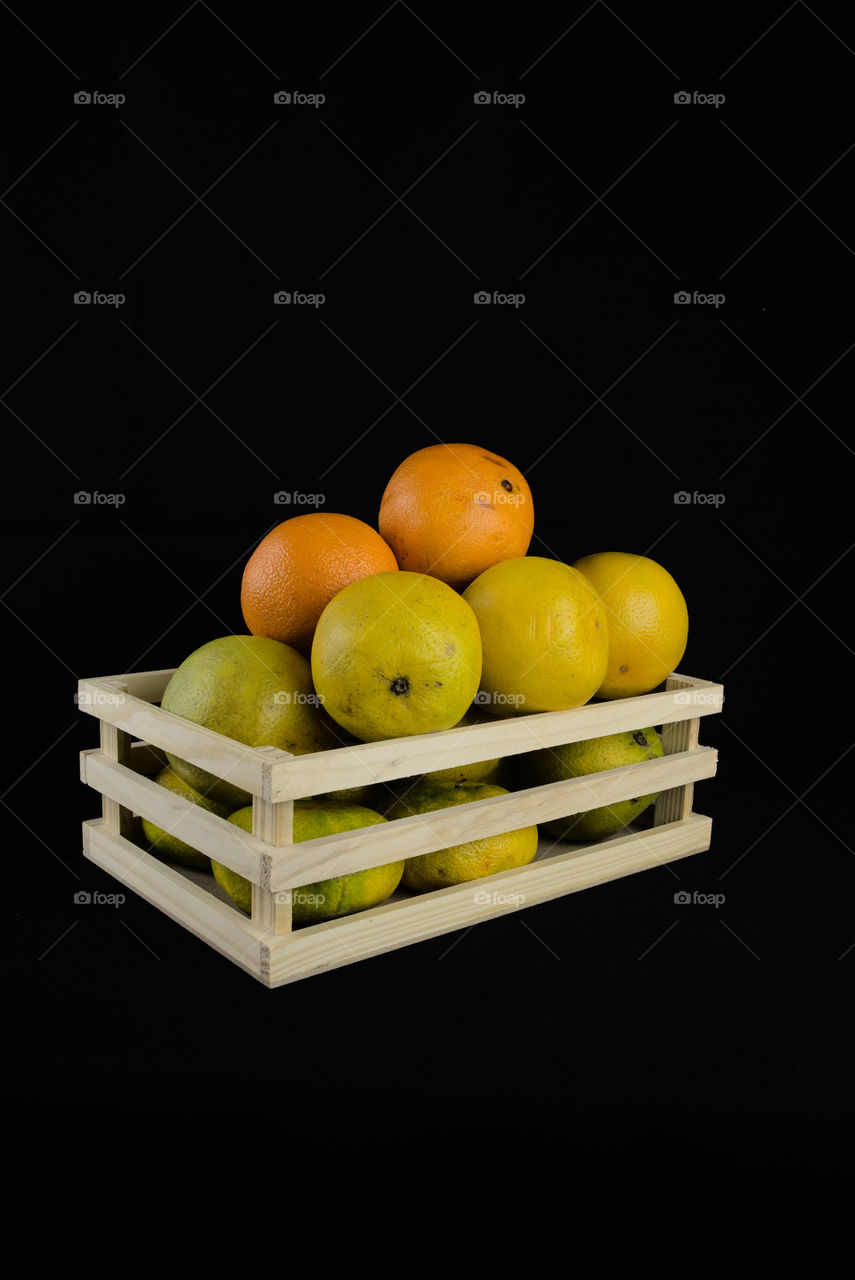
(135, 732)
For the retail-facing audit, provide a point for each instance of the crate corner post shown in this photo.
(675, 804)
(272, 822)
(116, 747)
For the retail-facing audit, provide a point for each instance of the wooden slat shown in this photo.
(148, 685)
(222, 926)
(239, 764)
(142, 759)
(219, 839)
(372, 762)
(373, 846)
(370, 933)
(280, 960)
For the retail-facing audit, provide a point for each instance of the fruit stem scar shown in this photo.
(400, 686)
(622, 669)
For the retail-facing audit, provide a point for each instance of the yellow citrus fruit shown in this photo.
(462, 862)
(576, 759)
(648, 621)
(395, 654)
(170, 846)
(544, 635)
(250, 688)
(325, 899)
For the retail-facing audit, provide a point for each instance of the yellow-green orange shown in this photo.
(544, 635)
(250, 688)
(648, 621)
(479, 770)
(396, 654)
(385, 794)
(325, 899)
(170, 846)
(577, 759)
(471, 860)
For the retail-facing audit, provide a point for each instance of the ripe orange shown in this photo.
(648, 620)
(299, 566)
(453, 510)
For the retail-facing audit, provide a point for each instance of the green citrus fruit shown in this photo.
(469, 861)
(170, 846)
(250, 688)
(578, 759)
(325, 899)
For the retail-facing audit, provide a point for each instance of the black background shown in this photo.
(614, 1015)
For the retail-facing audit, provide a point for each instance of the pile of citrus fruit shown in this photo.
(438, 617)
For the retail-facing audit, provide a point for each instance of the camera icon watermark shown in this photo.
(91, 698)
(487, 698)
(686, 697)
(290, 897)
(284, 698)
(683, 98)
(496, 898)
(684, 499)
(484, 299)
(83, 298)
(84, 898)
(290, 298)
(485, 98)
(85, 498)
(499, 498)
(285, 498)
(294, 98)
(83, 99)
(685, 299)
(683, 899)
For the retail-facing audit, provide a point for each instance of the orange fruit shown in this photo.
(648, 620)
(453, 510)
(299, 566)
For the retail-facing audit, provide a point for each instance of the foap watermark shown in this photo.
(695, 698)
(496, 898)
(483, 298)
(291, 298)
(486, 698)
(300, 897)
(499, 497)
(85, 298)
(83, 898)
(684, 899)
(97, 99)
(284, 698)
(285, 498)
(296, 98)
(684, 99)
(91, 698)
(496, 98)
(696, 299)
(685, 499)
(87, 498)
